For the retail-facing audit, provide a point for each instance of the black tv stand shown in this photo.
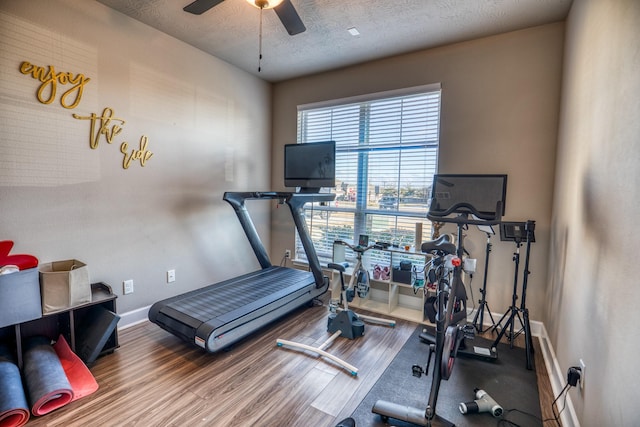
(519, 233)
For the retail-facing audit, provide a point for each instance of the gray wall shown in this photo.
(500, 103)
(206, 125)
(593, 288)
(501, 114)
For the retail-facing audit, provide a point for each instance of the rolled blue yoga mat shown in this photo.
(14, 410)
(47, 385)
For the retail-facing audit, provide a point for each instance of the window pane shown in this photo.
(386, 156)
(325, 226)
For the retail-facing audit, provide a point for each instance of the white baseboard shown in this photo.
(537, 328)
(558, 380)
(133, 317)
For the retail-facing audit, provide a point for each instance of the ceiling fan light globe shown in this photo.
(264, 4)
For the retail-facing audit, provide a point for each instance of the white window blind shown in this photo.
(386, 156)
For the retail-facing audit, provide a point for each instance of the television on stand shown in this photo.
(310, 166)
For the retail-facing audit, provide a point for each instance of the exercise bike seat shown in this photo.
(441, 244)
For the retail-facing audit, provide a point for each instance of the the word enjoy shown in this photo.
(50, 79)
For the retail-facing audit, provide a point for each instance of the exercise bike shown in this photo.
(343, 324)
(450, 194)
(342, 321)
(359, 283)
(442, 270)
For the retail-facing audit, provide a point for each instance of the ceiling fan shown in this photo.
(283, 8)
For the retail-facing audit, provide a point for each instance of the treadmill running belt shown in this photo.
(215, 316)
(216, 300)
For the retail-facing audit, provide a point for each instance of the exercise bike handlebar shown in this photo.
(464, 209)
(358, 248)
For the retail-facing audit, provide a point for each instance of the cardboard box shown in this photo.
(19, 297)
(64, 284)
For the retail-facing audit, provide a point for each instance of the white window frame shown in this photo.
(318, 215)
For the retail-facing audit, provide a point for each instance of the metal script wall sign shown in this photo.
(105, 125)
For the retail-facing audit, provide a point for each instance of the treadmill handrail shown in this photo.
(296, 202)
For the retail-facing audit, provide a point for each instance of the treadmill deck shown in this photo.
(217, 315)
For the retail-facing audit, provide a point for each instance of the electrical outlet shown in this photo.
(127, 287)
(287, 253)
(171, 276)
(583, 371)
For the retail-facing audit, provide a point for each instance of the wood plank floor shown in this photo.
(154, 379)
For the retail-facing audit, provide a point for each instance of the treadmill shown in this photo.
(218, 315)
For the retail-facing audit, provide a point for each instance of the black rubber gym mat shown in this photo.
(506, 380)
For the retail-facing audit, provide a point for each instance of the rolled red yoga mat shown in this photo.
(47, 385)
(80, 377)
(14, 410)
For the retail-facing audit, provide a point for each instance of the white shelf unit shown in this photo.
(393, 298)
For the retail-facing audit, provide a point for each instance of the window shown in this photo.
(386, 156)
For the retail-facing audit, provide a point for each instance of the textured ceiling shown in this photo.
(230, 30)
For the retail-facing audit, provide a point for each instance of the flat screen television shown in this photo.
(310, 166)
(480, 195)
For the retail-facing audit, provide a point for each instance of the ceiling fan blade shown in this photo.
(199, 7)
(290, 18)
